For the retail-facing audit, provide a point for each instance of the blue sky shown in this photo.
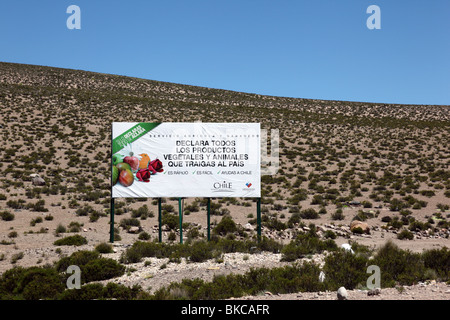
(320, 49)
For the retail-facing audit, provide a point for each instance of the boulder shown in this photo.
(342, 294)
(38, 181)
(347, 247)
(133, 230)
(359, 224)
(374, 292)
(249, 227)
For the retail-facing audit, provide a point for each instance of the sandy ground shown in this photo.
(358, 136)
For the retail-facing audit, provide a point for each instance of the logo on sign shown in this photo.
(248, 185)
(222, 187)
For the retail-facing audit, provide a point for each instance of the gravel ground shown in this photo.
(153, 273)
(422, 291)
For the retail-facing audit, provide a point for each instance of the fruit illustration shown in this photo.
(132, 161)
(145, 160)
(123, 166)
(126, 178)
(115, 175)
(117, 158)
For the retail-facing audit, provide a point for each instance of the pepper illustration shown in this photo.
(145, 160)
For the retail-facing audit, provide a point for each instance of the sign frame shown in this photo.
(139, 132)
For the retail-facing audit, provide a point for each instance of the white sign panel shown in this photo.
(153, 160)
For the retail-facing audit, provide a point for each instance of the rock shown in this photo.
(359, 224)
(342, 294)
(347, 247)
(249, 227)
(374, 292)
(133, 230)
(38, 181)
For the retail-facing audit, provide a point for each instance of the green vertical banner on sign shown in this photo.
(132, 134)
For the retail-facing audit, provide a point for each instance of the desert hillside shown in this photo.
(387, 166)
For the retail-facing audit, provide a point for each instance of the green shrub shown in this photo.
(16, 257)
(273, 223)
(94, 216)
(200, 251)
(41, 283)
(193, 233)
(396, 223)
(131, 222)
(427, 193)
(78, 258)
(31, 283)
(60, 229)
(101, 269)
(93, 291)
(84, 211)
(329, 234)
(338, 215)
(225, 226)
(93, 267)
(439, 261)
(345, 269)
(74, 226)
(309, 214)
(75, 240)
(35, 220)
(172, 236)
(142, 212)
(358, 230)
(141, 249)
(104, 248)
(12, 234)
(266, 244)
(417, 225)
(144, 236)
(363, 215)
(405, 234)
(192, 250)
(294, 219)
(397, 265)
(306, 243)
(89, 291)
(170, 220)
(6, 216)
(287, 279)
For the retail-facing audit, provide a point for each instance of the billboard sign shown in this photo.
(154, 160)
